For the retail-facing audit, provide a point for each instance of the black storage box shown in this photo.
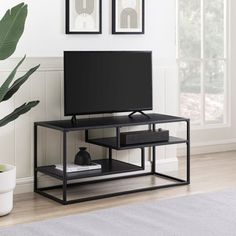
(146, 136)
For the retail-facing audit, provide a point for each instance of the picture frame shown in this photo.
(128, 16)
(83, 17)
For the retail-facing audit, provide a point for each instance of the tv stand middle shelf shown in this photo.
(112, 142)
(112, 170)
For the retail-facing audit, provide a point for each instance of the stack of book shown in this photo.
(75, 168)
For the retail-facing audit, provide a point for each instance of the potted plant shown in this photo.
(11, 29)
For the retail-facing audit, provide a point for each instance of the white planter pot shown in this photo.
(7, 185)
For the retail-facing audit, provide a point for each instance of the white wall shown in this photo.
(44, 35)
(44, 42)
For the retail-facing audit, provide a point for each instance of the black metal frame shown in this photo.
(114, 19)
(82, 32)
(65, 184)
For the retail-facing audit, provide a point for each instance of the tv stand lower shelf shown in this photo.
(116, 177)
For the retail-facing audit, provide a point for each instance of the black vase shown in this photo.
(83, 158)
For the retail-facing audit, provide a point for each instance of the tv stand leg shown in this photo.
(110, 154)
(141, 112)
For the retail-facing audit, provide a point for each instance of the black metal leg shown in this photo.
(154, 127)
(110, 154)
(143, 158)
(188, 151)
(64, 167)
(118, 137)
(153, 160)
(154, 153)
(86, 136)
(35, 157)
(150, 127)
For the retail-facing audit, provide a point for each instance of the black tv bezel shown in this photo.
(112, 111)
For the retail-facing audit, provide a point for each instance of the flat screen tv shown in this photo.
(107, 81)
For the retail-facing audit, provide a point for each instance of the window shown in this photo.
(202, 60)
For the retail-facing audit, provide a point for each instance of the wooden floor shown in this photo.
(211, 172)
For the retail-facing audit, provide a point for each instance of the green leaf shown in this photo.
(18, 112)
(17, 84)
(11, 29)
(5, 87)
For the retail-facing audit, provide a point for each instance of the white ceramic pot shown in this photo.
(7, 185)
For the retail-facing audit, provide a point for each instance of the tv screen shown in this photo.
(107, 82)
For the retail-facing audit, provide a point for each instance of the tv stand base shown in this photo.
(141, 112)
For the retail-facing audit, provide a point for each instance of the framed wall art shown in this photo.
(128, 16)
(83, 16)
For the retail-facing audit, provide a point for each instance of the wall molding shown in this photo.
(56, 64)
(46, 64)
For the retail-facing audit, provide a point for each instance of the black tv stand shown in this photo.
(83, 183)
(141, 112)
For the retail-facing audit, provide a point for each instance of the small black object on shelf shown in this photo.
(144, 136)
(83, 158)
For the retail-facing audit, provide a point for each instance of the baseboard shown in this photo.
(210, 147)
(167, 165)
(25, 185)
